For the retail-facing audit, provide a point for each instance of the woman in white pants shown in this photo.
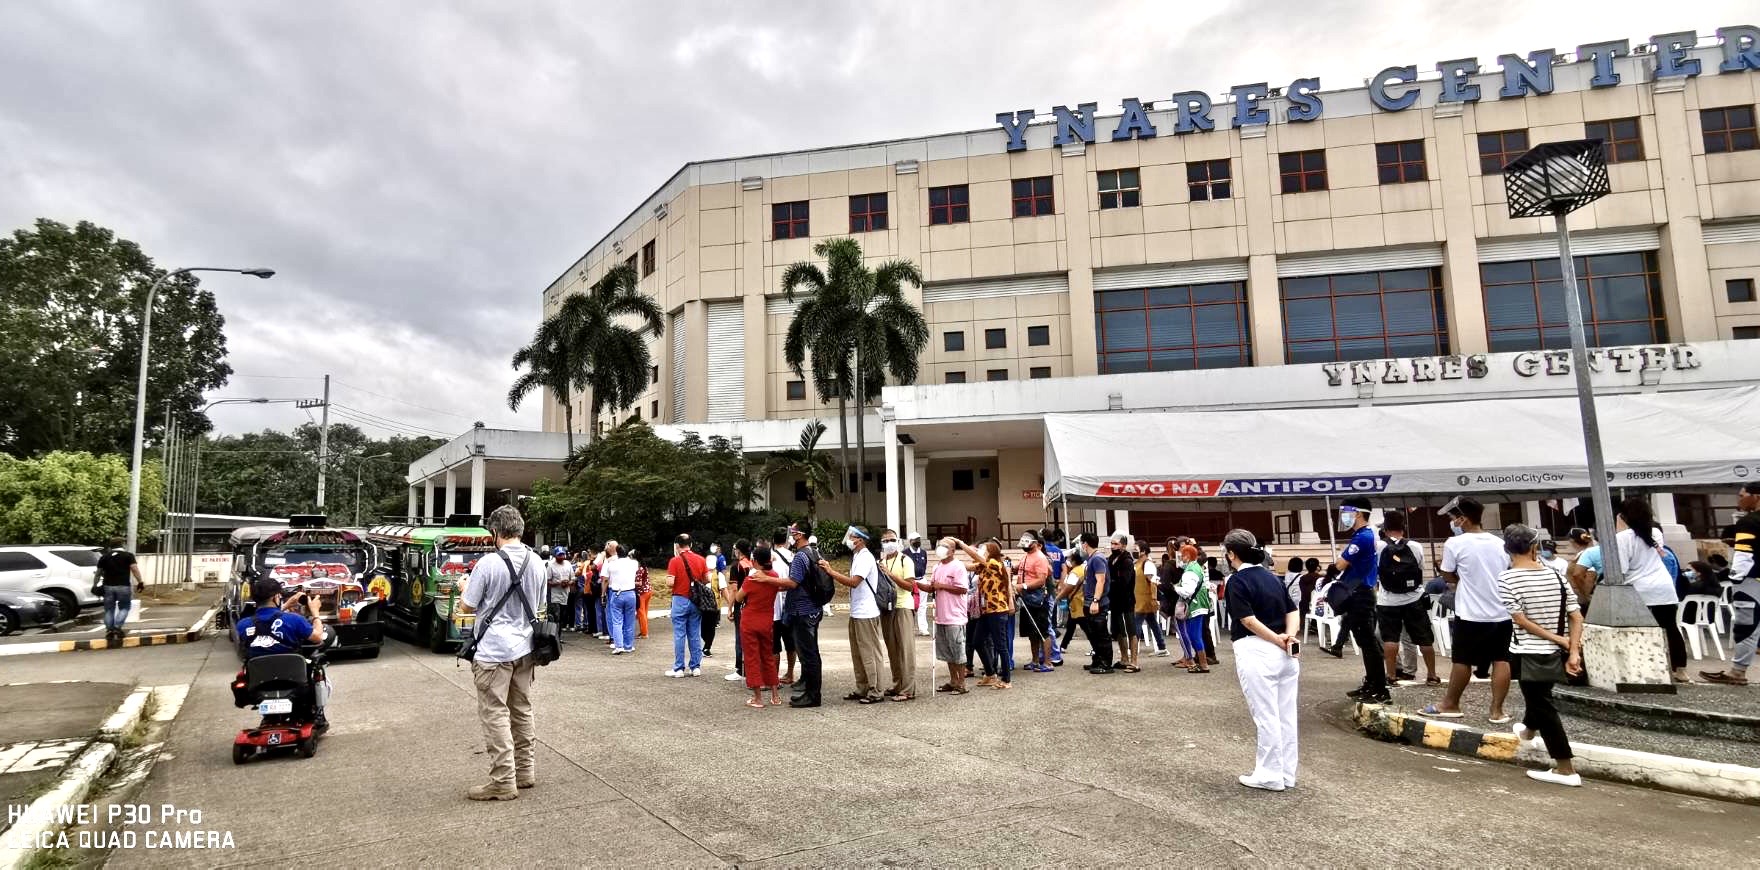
(1264, 626)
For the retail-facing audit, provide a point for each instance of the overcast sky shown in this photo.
(417, 172)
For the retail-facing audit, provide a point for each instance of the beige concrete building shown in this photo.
(1286, 246)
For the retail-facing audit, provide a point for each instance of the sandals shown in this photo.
(870, 699)
(1131, 669)
(1433, 681)
(902, 696)
(945, 687)
(1433, 710)
(854, 696)
(786, 681)
(1197, 670)
(1000, 686)
(755, 705)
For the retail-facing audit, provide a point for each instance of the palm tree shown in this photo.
(857, 326)
(584, 346)
(809, 462)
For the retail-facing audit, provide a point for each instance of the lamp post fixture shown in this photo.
(140, 396)
(1557, 178)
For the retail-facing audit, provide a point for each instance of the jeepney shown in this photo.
(327, 563)
(422, 574)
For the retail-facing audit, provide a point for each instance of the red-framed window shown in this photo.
(867, 212)
(788, 220)
(1032, 197)
(1363, 315)
(1621, 296)
(1201, 326)
(1400, 162)
(1497, 149)
(1730, 128)
(949, 205)
(1620, 139)
(1302, 171)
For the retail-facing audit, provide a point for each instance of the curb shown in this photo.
(1730, 782)
(193, 633)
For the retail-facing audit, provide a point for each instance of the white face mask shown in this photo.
(940, 554)
(890, 548)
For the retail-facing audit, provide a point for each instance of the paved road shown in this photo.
(1067, 768)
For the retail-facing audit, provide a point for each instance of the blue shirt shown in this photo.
(1055, 554)
(282, 632)
(798, 602)
(1591, 559)
(1097, 568)
(1256, 592)
(1360, 553)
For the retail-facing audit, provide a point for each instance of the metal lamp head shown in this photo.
(1556, 178)
(258, 273)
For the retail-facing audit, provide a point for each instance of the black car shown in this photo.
(22, 610)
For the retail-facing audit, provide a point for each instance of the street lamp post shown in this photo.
(358, 462)
(140, 396)
(1622, 639)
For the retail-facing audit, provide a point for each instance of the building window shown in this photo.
(653, 375)
(648, 258)
(1202, 326)
(654, 410)
(954, 378)
(1619, 137)
(1621, 296)
(995, 338)
(1119, 188)
(867, 212)
(1728, 129)
(797, 391)
(788, 220)
(1208, 179)
(996, 375)
(1400, 162)
(1038, 336)
(1302, 171)
(800, 490)
(1032, 197)
(949, 205)
(1739, 289)
(1040, 373)
(1364, 315)
(963, 480)
(953, 342)
(1496, 150)
(1743, 333)
(638, 414)
(631, 263)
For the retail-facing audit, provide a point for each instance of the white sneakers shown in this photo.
(1247, 780)
(733, 678)
(1160, 653)
(680, 672)
(1573, 780)
(675, 673)
(1525, 735)
(696, 672)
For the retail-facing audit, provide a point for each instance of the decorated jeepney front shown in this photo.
(458, 554)
(329, 565)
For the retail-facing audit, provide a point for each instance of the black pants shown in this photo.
(1097, 629)
(1358, 620)
(1542, 716)
(806, 647)
(739, 658)
(591, 602)
(709, 632)
(1665, 616)
(1070, 624)
(574, 600)
(975, 633)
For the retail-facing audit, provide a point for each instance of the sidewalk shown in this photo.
(43, 726)
(159, 616)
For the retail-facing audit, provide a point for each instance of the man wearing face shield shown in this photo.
(1263, 626)
(864, 614)
(896, 627)
(1035, 574)
(1357, 566)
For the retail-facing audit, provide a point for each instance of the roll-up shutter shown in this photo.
(995, 289)
(1582, 245)
(1728, 234)
(727, 361)
(780, 305)
(677, 331)
(1369, 260)
(1170, 275)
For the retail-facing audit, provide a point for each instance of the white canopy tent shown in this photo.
(1502, 447)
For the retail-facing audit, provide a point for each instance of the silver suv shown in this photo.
(63, 573)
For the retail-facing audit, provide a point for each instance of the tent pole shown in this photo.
(1331, 526)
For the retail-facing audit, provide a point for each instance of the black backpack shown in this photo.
(1398, 570)
(819, 586)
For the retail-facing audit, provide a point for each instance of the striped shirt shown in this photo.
(1534, 593)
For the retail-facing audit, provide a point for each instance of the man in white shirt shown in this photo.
(502, 664)
(864, 615)
(1399, 603)
(1472, 561)
(619, 573)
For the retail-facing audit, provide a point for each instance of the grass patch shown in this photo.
(54, 859)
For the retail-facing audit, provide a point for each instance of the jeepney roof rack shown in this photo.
(464, 521)
(308, 521)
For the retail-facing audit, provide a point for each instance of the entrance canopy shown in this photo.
(1503, 447)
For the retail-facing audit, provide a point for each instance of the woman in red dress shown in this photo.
(757, 639)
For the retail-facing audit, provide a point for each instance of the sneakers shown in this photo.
(1524, 735)
(1248, 781)
(1336, 652)
(675, 673)
(696, 672)
(1724, 678)
(1572, 780)
(1403, 676)
(1366, 695)
(733, 678)
(617, 651)
(1161, 653)
(492, 792)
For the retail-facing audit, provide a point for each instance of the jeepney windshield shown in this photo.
(457, 562)
(299, 565)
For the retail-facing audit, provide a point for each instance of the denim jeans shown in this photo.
(687, 631)
(1153, 622)
(622, 611)
(117, 601)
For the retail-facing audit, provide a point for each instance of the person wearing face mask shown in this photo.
(1096, 595)
(995, 604)
(1121, 569)
(1549, 554)
(1357, 575)
(1472, 561)
(1035, 573)
(949, 583)
(920, 599)
(1745, 595)
(1263, 626)
(1194, 593)
(864, 614)
(895, 626)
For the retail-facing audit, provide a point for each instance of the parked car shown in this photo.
(22, 610)
(62, 573)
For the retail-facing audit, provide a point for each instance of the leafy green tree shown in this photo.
(547, 366)
(275, 474)
(807, 461)
(70, 311)
(856, 326)
(66, 497)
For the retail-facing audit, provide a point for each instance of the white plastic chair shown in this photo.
(1439, 627)
(1704, 622)
(1726, 611)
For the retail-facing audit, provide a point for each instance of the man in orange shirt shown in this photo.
(686, 567)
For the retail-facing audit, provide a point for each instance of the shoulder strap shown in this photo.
(1561, 599)
(684, 558)
(514, 581)
(517, 580)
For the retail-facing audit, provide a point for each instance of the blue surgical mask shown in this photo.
(1455, 529)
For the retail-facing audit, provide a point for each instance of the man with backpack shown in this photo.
(871, 593)
(1353, 598)
(812, 590)
(1400, 601)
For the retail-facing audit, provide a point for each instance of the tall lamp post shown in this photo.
(140, 396)
(1557, 178)
(359, 461)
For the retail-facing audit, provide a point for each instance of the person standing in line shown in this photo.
(803, 621)
(1638, 542)
(1745, 595)
(1357, 567)
(1549, 554)
(1053, 540)
(864, 614)
(592, 586)
(920, 600)
(1069, 600)
(737, 571)
(896, 625)
(572, 610)
(113, 572)
(511, 585)
(644, 596)
(1121, 570)
(1194, 593)
(560, 577)
(949, 583)
(619, 574)
(1263, 627)
(781, 557)
(604, 601)
(1146, 623)
(1585, 570)
(1543, 650)
(1096, 589)
(717, 581)
(995, 604)
(1472, 561)
(1399, 600)
(753, 597)
(1035, 602)
(685, 568)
